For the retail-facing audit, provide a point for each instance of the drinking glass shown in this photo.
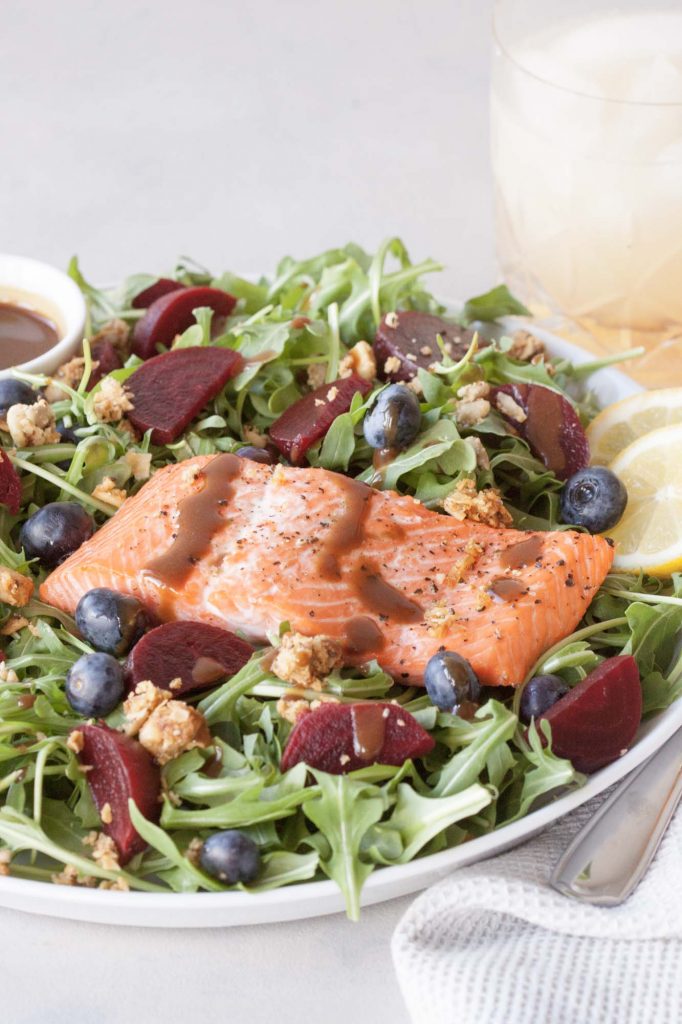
(587, 161)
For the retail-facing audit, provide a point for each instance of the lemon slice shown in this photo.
(623, 422)
(649, 536)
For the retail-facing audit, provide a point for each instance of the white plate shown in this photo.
(311, 899)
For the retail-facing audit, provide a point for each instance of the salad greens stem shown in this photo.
(63, 484)
(631, 595)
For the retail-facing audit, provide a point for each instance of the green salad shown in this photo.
(486, 768)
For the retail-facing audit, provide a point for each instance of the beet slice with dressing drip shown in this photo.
(339, 738)
(552, 427)
(107, 357)
(309, 419)
(10, 484)
(169, 390)
(164, 286)
(197, 654)
(172, 314)
(596, 722)
(410, 337)
(120, 769)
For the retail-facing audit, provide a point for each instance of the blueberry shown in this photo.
(110, 621)
(594, 498)
(94, 685)
(451, 681)
(539, 694)
(67, 434)
(249, 451)
(394, 419)
(15, 392)
(230, 857)
(55, 531)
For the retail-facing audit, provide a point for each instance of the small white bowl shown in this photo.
(53, 294)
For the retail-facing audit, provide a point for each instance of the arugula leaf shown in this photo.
(492, 305)
(419, 818)
(492, 725)
(343, 811)
(546, 773)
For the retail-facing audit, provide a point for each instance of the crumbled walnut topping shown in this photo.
(106, 814)
(465, 502)
(344, 758)
(7, 675)
(5, 861)
(193, 851)
(306, 660)
(70, 876)
(292, 709)
(119, 884)
(32, 425)
(332, 393)
(392, 365)
(438, 617)
(469, 414)
(360, 361)
(415, 385)
(175, 684)
(254, 437)
(104, 849)
(477, 389)
(525, 346)
(68, 373)
(320, 401)
(15, 588)
(139, 705)
(426, 350)
(391, 320)
(108, 492)
(482, 457)
(316, 374)
(111, 401)
(75, 741)
(472, 552)
(126, 427)
(171, 729)
(117, 332)
(14, 624)
(508, 407)
(140, 464)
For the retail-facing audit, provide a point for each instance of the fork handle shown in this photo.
(610, 855)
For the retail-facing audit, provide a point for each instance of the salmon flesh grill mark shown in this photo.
(237, 544)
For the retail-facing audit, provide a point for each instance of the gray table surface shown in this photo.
(235, 132)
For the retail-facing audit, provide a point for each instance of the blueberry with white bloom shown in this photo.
(110, 621)
(393, 421)
(230, 857)
(94, 685)
(55, 531)
(450, 681)
(15, 392)
(594, 498)
(539, 694)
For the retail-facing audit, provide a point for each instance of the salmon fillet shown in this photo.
(237, 544)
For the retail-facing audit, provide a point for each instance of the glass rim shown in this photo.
(498, 39)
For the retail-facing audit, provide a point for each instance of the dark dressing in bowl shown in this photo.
(24, 334)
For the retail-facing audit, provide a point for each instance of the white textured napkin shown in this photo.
(494, 944)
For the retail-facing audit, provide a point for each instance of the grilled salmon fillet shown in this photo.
(237, 544)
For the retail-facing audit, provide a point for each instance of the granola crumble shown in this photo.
(32, 425)
(111, 402)
(508, 407)
(306, 660)
(15, 588)
(465, 502)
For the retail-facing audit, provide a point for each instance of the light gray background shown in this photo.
(133, 131)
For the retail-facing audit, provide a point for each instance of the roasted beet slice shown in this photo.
(339, 738)
(172, 314)
(10, 484)
(169, 390)
(551, 428)
(197, 654)
(108, 358)
(164, 286)
(597, 721)
(120, 768)
(309, 419)
(410, 337)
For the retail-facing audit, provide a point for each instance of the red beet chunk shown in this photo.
(169, 390)
(164, 286)
(108, 358)
(339, 738)
(552, 428)
(305, 422)
(172, 314)
(197, 654)
(10, 484)
(408, 335)
(597, 721)
(120, 769)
